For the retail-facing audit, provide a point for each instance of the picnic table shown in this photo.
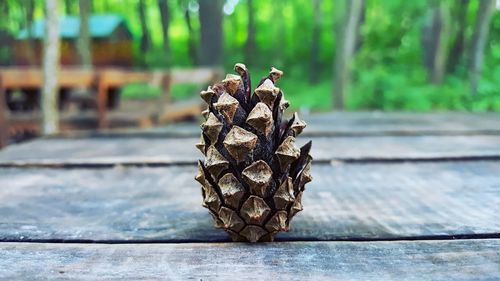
(395, 196)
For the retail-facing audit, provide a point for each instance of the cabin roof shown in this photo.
(100, 26)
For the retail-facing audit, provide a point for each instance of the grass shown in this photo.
(371, 91)
(306, 97)
(300, 94)
(146, 91)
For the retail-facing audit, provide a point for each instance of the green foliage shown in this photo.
(140, 91)
(387, 72)
(147, 91)
(304, 96)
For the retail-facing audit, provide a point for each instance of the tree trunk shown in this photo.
(84, 43)
(457, 49)
(4, 12)
(315, 70)
(211, 44)
(6, 49)
(250, 45)
(478, 44)
(51, 54)
(434, 41)
(165, 22)
(146, 37)
(31, 53)
(69, 7)
(346, 43)
(192, 50)
(361, 21)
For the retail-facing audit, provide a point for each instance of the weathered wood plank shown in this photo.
(103, 151)
(344, 202)
(415, 260)
(380, 123)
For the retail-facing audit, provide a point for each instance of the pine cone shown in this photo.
(253, 175)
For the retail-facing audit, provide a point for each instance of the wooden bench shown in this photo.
(107, 83)
(392, 198)
(111, 79)
(171, 112)
(32, 78)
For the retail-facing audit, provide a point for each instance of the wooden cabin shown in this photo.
(111, 41)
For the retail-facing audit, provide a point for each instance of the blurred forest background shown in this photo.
(351, 55)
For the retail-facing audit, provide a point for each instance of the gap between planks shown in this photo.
(173, 134)
(89, 164)
(284, 240)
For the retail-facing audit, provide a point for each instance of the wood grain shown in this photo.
(162, 151)
(416, 260)
(148, 221)
(344, 202)
(378, 123)
(31, 77)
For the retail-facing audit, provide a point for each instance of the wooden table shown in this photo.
(394, 196)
